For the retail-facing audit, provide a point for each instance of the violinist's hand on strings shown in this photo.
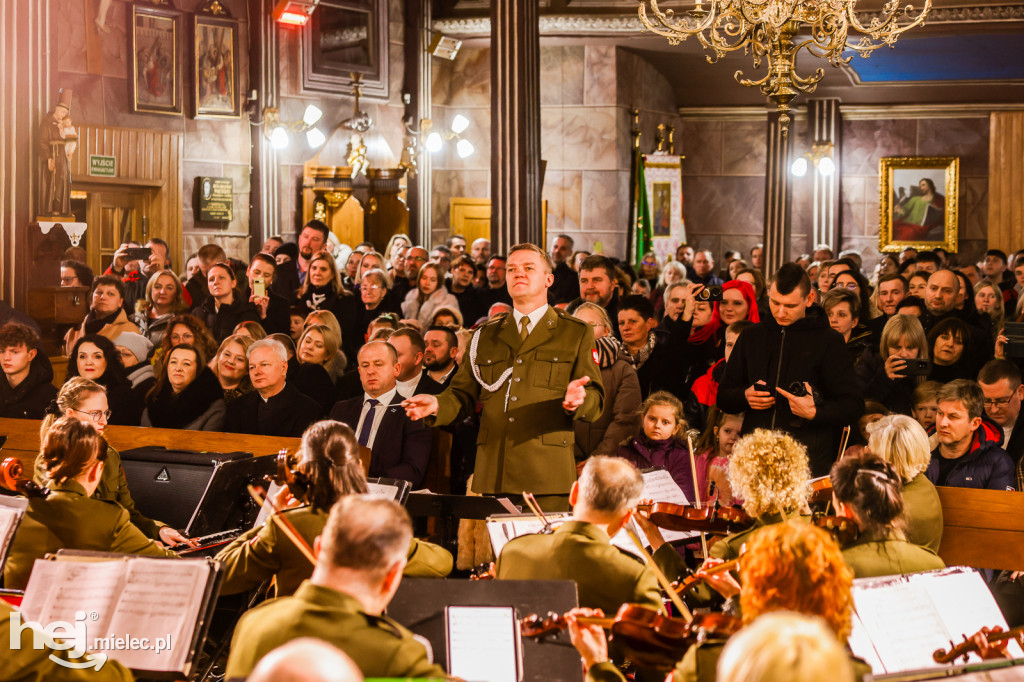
(723, 582)
(989, 651)
(589, 640)
(653, 533)
(283, 499)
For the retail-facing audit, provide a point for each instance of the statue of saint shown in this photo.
(54, 167)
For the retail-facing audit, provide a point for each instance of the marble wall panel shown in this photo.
(744, 148)
(723, 205)
(448, 184)
(561, 75)
(589, 137)
(70, 18)
(115, 44)
(563, 190)
(973, 223)
(702, 144)
(599, 74)
(964, 137)
(865, 142)
(218, 140)
(605, 199)
(552, 141)
(471, 79)
(853, 203)
(87, 102)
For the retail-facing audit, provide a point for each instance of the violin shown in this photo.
(289, 473)
(692, 580)
(970, 646)
(649, 638)
(821, 491)
(845, 530)
(11, 477)
(712, 518)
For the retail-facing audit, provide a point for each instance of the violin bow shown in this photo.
(676, 600)
(696, 490)
(844, 441)
(531, 502)
(286, 527)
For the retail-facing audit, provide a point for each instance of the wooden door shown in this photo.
(114, 216)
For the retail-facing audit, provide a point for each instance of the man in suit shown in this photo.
(412, 379)
(400, 447)
(439, 357)
(275, 408)
(534, 371)
(360, 558)
(1000, 381)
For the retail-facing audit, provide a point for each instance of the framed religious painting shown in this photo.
(663, 177)
(155, 58)
(214, 62)
(918, 202)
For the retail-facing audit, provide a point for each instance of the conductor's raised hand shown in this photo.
(575, 394)
(420, 406)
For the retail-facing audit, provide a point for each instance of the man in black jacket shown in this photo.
(25, 384)
(1000, 381)
(791, 353)
(567, 282)
(275, 316)
(940, 297)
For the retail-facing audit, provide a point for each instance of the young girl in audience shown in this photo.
(660, 442)
(926, 404)
(715, 448)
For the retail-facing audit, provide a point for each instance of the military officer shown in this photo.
(74, 455)
(534, 371)
(360, 558)
(603, 501)
(330, 464)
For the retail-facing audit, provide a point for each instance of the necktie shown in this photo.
(364, 431)
(523, 331)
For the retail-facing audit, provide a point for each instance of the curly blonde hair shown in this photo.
(769, 470)
(797, 567)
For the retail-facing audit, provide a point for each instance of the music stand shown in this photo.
(420, 605)
(449, 509)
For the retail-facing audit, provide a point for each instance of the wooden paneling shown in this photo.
(145, 158)
(982, 528)
(471, 217)
(1005, 180)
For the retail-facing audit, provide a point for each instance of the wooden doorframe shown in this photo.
(147, 194)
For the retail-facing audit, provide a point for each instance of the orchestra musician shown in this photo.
(867, 490)
(360, 558)
(789, 566)
(85, 400)
(330, 462)
(73, 456)
(902, 442)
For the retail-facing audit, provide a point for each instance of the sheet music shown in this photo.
(860, 643)
(266, 510)
(966, 605)
(501, 529)
(144, 612)
(388, 492)
(483, 643)
(661, 487)
(66, 587)
(11, 510)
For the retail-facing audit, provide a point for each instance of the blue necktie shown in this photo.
(364, 432)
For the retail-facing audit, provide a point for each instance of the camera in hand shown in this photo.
(711, 293)
(798, 389)
(914, 367)
(1014, 346)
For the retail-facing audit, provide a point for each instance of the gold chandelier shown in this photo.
(776, 30)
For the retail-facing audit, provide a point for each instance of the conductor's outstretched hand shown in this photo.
(420, 406)
(575, 394)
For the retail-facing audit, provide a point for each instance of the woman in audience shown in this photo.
(328, 468)
(374, 290)
(327, 318)
(868, 491)
(232, 367)
(224, 308)
(73, 457)
(181, 329)
(918, 284)
(855, 282)
(447, 317)
(187, 395)
(882, 375)
(134, 350)
(395, 246)
(950, 342)
(988, 299)
(429, 295)
(106, 315)
(86, 401)
(95, 357)
(323, 291)
(673, 272)
(887, 265)
(903, 443)
(254, 330)
(164, 299)
(315, 352)
(756, 279)
(843, 308)
(619, 419)
(649, 269)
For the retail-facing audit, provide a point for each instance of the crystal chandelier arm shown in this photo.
(889, 29)
(673, 27)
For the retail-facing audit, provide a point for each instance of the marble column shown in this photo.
(826, 124)
(778, 200)
(515, 125)
(418, 86)
(265, 182)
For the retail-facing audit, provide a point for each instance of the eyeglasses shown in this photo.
(848, 285)
(997, 402)
(595, 325)
(372, 287)
(95, 416)
(68, 281)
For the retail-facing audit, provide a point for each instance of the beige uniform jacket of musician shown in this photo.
(266, 551)
(876, 558)
(67, 519)
(526, 436)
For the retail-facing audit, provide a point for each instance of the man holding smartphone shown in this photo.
(792, 372)
(272, 307)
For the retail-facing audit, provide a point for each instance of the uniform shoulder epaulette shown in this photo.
(490, 322)
(632, 556)
(384, 623)
(568, 316)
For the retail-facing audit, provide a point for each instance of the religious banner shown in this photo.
(663, 184)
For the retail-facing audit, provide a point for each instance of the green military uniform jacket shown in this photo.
(923, 513)
(526, 438)
(378, 645)
(871, 558)
(605, 576)
(26, 664)
(114, 488)
(729, 547)
(266, 551)
(68, 519)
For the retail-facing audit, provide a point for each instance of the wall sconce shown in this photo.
(276, 130)
(294, 12)
(820, 157)
(434, 140)
(443, 46)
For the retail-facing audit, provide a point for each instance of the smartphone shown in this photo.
(914, 367)
(762, 386)
(259, 288)
(138, 254)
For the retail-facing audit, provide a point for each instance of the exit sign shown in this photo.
(102, 166)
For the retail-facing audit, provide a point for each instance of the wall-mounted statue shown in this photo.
(56, 143)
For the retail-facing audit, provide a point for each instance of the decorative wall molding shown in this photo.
(853, 112)
(958, 15)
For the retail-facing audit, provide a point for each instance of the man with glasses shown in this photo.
(1000, 381)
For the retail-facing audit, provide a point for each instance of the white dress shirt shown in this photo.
(378, 414)
(407, 389)
(534, 317)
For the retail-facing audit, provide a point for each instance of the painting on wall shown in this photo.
(918, 202)
(215, 64)
(154, 46)
(664, 179)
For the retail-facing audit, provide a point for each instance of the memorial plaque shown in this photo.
(215, 199)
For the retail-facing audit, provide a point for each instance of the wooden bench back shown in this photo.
(982, 528)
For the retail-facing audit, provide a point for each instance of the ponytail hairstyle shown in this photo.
(869, 485)
(73, 393)
(69, 448)
(330, 459)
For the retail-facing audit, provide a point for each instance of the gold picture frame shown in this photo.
(911, 210)
(214, 52)
(154, 53)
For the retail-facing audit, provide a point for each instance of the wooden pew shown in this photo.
(982, 528)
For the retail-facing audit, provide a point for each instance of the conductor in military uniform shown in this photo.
(534, 371)
(360, 558)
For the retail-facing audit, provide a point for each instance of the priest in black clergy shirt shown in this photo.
(411, 349)
(400, 447)
(275, 408)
